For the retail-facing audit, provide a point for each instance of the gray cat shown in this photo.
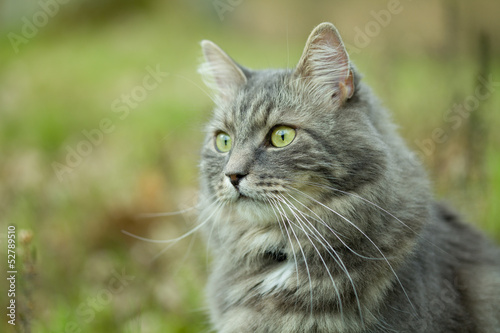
(317, 217)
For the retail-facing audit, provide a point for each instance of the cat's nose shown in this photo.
(235, 178)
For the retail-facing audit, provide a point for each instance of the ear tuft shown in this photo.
(325, 65)
(219, 71)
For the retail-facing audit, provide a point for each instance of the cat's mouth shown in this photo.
(242, 196)
(245, 199)
(250, 197)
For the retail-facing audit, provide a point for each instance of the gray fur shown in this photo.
(338, 231)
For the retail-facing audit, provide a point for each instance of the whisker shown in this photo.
(303, 255)
(271, 205)
(368, 238)
(385, 211)
(215, 221)
(153, 215)
(292, 207)
(159, 241)
(364, 199)
(289, 238)
(162, 251)
(165, 249)
(322, 222)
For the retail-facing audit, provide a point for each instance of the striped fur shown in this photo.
(338, 231)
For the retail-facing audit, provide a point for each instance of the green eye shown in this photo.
(223, 142)
(282, 136)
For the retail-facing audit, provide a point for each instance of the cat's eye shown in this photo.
(223, 142)
(282, 136)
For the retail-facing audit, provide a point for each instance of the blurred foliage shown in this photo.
(57, 87)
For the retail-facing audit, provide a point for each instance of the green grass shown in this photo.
(65, 80)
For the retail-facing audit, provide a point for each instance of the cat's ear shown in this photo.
(219, 71)
(325, 66)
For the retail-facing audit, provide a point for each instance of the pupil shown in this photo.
(283, 136)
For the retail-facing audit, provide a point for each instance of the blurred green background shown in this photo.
(90, 139)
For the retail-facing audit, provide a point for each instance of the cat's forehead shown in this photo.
(265, 101)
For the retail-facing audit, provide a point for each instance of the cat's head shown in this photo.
(297, 137)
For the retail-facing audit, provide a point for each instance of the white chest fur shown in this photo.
(279, 278)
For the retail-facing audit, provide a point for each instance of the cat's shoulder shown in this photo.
(462, 247)
(478, 272)
(451, 227)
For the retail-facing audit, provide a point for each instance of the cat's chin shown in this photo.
(253, 210)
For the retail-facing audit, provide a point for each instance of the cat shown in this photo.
(316, 217)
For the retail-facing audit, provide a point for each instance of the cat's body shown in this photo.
(318, 218)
